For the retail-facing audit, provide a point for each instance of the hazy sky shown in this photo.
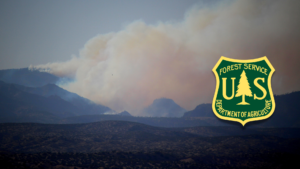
(129, 53)
(37, 32)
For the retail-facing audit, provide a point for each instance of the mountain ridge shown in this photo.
(26, 77)
(86, 105)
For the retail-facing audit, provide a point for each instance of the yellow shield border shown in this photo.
(218, 85)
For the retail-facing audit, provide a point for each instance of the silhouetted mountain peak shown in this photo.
(163, 101)
(164, 107)
(124, 113)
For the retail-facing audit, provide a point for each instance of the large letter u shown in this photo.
(224, 88)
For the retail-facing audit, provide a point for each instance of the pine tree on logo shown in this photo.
(243, 89)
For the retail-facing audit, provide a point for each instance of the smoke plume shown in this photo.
(127, 70)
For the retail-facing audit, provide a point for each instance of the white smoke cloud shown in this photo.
(128, 69)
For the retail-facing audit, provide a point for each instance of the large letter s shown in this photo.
(260, 87)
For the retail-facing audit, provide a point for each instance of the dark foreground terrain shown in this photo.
(117, 144)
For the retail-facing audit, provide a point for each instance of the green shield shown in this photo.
(243, 90)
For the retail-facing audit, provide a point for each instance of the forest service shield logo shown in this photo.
(243, 90)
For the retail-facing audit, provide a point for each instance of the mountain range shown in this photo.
(40, 100)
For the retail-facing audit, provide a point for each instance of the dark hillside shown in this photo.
(26, 77)
(113, 144)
